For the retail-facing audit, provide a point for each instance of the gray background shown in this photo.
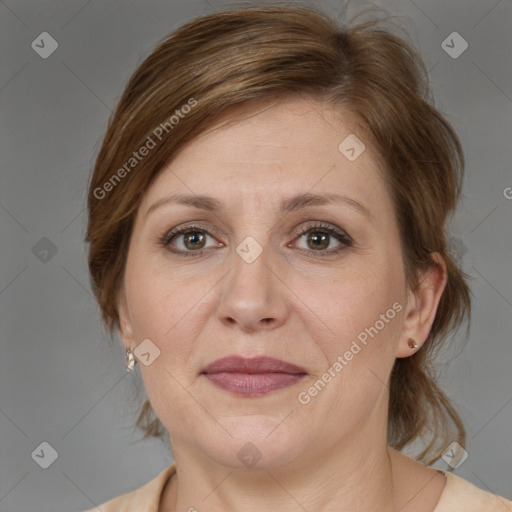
(61, 381)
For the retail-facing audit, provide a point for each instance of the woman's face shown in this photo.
(269, 282)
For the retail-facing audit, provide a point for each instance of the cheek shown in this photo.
(166, 311)
(159, 302)
(363, 307)
(353, 298)
(171, 312)
(365, 312)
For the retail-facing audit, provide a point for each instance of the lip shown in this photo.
(239, 364)
(252, 376)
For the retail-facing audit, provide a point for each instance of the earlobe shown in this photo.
(421, 307)
(412, 343)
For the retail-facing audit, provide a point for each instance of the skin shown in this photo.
(291, 303)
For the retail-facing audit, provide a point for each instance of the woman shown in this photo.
(267, 233)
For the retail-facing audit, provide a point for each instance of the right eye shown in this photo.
(191, 240)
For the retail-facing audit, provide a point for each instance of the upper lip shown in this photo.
(239, 364)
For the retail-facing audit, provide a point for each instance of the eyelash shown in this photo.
(320, 227)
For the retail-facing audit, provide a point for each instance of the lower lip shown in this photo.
(253, 384)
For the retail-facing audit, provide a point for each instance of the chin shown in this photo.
(258, 442)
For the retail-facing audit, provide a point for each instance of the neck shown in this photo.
(355, 476)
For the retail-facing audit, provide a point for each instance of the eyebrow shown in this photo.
(288, 205)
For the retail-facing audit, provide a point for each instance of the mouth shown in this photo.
(252, 377)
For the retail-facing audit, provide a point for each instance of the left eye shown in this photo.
(319, 238)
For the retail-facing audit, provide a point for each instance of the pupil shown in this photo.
(319, 237)
(193, 238)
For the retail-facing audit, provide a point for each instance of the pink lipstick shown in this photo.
(254, 376)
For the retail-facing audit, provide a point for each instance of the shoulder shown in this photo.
(460, 495)
(143, 499)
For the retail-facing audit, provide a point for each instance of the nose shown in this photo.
(253, 295)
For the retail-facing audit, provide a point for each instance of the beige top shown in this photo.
(459, 495)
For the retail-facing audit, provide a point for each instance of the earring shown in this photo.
(412, 343)
(130, 360)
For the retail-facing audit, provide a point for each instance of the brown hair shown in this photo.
(234, 58)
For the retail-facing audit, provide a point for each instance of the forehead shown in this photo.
(288, 147)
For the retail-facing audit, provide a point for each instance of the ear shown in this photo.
(125, 325)
(422, 306)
